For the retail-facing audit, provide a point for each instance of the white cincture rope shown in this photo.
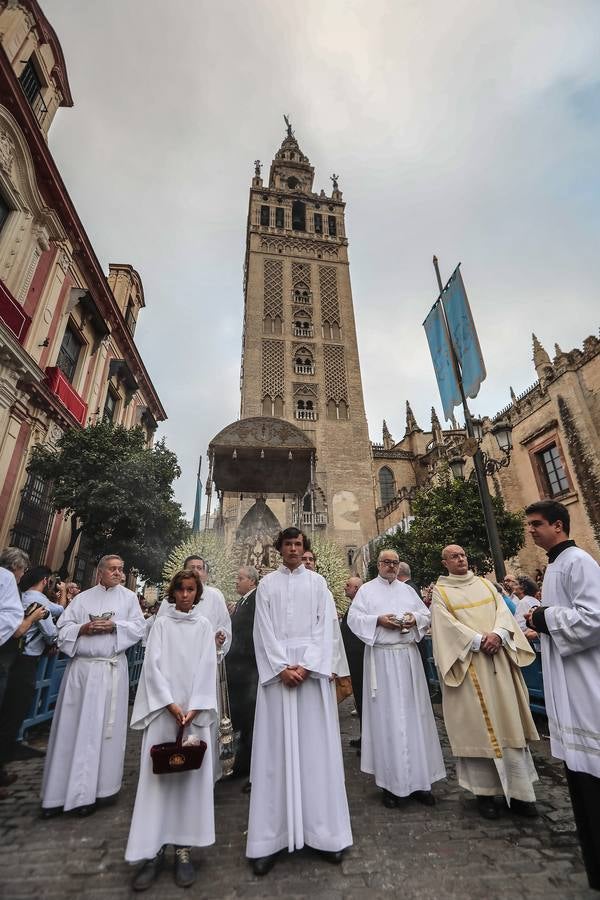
(113, 661)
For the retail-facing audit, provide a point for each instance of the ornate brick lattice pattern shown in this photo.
(301, 274)
(336, 386)
(299, 247)
(273, 288)
(330, 308)
(301, 389)
(273, 372)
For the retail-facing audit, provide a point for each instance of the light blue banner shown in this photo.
(437, 338)
(463, 335)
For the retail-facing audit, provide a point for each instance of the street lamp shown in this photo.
(477, 429)
(457, 465)
(502, 431)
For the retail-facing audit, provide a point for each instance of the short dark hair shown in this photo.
(289, 534)
(34, 576)
(552, 511)
(528, 585)
(176, 580)
(188, 559)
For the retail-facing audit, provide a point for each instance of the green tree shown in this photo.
(450, 513)
(117, 490)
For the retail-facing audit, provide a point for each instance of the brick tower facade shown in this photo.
(300, 355)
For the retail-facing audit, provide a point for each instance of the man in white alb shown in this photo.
(400, 744)
(84, 762)
(298, 792)
(568, 622)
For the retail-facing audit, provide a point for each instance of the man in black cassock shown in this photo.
(355, 652)
(242, 675)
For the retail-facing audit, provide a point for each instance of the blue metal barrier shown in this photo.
(532, 675)
(49, 676)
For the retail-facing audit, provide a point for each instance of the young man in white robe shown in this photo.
(568, 622)
(400, 744)
(177, 687)
(214, 608)
(85, 755)
(298, 792)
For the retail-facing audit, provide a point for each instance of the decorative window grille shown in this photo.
(273, 279)
(330, 307)
(273, 372)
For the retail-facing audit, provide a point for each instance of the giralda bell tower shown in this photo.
(300, 354)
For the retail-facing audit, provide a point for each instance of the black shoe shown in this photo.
(84, 811)
(247, 788)
(7, 778)
(263, 864)
(524, 808)
(355, 742)
(185, 873)
(148, 872)
(101, 802)
(49, 812)
(390, 801)
(332, 856)
(21, 750)
(487, 808)
(424, 797)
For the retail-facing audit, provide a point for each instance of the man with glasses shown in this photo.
(84, 763)
(478, 648)
(400, 744)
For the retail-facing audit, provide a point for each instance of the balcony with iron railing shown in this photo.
(304, 370)
(31, 86)
(68, 396)
(303, 331)
(307, 415)
(13, 315)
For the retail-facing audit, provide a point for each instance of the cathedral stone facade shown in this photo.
(556, 451)
(300, 355)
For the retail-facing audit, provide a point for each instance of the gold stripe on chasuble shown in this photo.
(454, 606)
(472, 673)
(486, 716)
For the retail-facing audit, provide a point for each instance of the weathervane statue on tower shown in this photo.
(288, 124)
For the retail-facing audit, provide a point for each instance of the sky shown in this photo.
(468, 129)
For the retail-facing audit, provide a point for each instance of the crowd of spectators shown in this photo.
(32, 599)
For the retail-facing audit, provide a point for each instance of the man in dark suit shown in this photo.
(355, 652)
(242, 675)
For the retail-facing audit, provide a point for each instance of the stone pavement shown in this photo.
(416, 852)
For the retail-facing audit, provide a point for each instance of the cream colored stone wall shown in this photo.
(564, 410)
(23, 41)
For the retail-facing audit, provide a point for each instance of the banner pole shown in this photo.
(491, 525)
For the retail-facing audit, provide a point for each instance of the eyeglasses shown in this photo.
(389, 562)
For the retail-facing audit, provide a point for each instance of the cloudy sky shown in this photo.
(470, 129)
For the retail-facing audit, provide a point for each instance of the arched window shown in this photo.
(303, 362)
(298, 216)
(331, 409)
(267, 406)
(342, 409)
(301, 294)
(387, 485)
(278, 407)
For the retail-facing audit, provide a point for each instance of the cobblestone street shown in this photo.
(415, 852)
